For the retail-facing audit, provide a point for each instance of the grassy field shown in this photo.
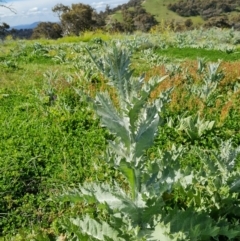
(159, 9)
(191, 53)
(52, 140)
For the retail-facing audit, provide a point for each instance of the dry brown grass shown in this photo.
(182, 100)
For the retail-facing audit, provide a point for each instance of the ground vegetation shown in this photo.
(127, 134)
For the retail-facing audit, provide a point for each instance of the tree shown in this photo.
(76, 19)
(114, 26)
(188, 23)
(108, 9)
(137, 19)
(219, 21)
(8, 7)
(47, 30)
(60, 9)
(5, 26)
(128, 23)
(143, 20)
(99, 19)
(4, 30)
(204, 8)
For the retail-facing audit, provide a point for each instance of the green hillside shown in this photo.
(160, 10)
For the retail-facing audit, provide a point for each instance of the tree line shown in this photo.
(214, 12)
(77, 18)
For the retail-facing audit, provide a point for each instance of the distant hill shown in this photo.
(26, 26)
(159, 8)
(222, 12)
(143, 15)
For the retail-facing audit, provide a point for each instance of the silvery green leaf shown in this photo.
(96, 230)
(161, 232)
(201, 65)
(196, 226)
(120, 149)
(113, 196)
(194, 126)
(110, 118)
(146, 130)
(115, 65)
(228, 153)
(139, 100)
(235, 186)
(213, 74)
(132, 176)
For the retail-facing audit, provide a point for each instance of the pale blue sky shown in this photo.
(29, 11)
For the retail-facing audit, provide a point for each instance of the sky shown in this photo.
(30, 11)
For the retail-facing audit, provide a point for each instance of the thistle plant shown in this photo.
(236, 87)
(9, 64)
(49, 83)
(77, 48)
(211, 76)
(153, 59)
(138, 42)
(222, 163)
(139, 211)
(39, 50)
(194, 126)
(61, 57)
(219, 180)
(173, 69)
(201, 65)
(134, 123)
(84, 64)
(211, 79)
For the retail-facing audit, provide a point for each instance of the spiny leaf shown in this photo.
(140, 99)
(115, 66)
(96, 230)
(194, 126)
(162, 232)
(197, 226)
(111, 118)
(146, 130)
(129, 173)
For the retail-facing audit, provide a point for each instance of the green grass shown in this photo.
(118, 16)
(193, 53)
(162, 13)
(85, 37)
(159, 9)
(59, 144)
